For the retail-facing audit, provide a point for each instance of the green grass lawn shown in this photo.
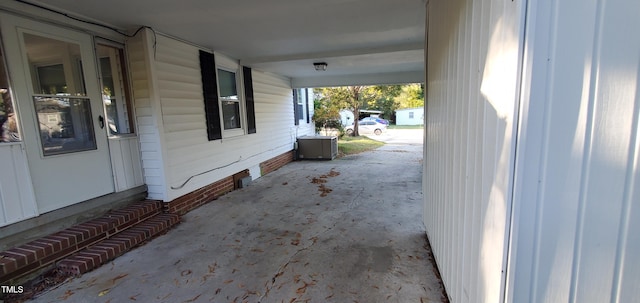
(393, 126)
(352, 145)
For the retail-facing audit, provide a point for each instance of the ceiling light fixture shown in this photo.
(320, 66)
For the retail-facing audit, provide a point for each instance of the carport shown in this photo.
(531, 151)
(347, 230)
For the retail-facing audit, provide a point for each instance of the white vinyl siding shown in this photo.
(304, 128)
(190, 156)
(469, 148)
(140, 52)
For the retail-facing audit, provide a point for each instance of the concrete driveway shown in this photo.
(347, 230)
(401, 136)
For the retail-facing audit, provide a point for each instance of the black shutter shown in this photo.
(248, 99)
(210, 93)
(306, 100)
(296, 121)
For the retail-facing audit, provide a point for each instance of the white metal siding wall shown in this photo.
(473, 56)
(189, 153)
(141, 53)
(577, 219)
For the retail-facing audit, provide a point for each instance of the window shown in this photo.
(300, 105)
(115, 89)
(62, 107)
(231, 118)
(410, 115)
(228, 111)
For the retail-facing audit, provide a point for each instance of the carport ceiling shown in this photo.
(362, 41)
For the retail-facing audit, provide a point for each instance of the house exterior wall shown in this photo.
(140, 52)
(177, 156)
(472, 71)
(404, 116)
(17, 201)
(577, 201)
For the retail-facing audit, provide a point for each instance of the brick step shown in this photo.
(24, 259)
(106, 250)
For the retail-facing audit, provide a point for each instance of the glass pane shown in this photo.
(56, 66)
(231, 114)
(8, 120)
(227, 82)
(65, 124)
(114, 90)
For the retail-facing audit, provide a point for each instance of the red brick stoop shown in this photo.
(106, 250)
(41, 254)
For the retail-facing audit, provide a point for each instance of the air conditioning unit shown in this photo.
(317, 147)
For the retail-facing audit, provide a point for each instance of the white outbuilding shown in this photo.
(410, 116)
(346, 117)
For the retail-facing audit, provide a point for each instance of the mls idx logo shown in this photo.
(11, 289)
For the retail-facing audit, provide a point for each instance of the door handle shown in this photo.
(101, 120)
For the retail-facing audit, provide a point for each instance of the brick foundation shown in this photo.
(204, 195)
(276, 162)
(199, 197)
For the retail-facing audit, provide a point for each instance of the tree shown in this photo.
(385, 100)
(352, 98)
(411, 95)
(325, 113)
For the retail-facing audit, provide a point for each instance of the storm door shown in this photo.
(61, 111)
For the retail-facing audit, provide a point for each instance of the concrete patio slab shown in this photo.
(347, 230)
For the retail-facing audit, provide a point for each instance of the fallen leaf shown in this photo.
(133, 298)
(194, 299)
(185, 272)
(113, 281)
(66, 295)
(228, 281)
(104, 292)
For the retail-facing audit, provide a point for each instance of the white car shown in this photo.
(367, 127)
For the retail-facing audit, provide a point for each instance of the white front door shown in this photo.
(60, 106)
